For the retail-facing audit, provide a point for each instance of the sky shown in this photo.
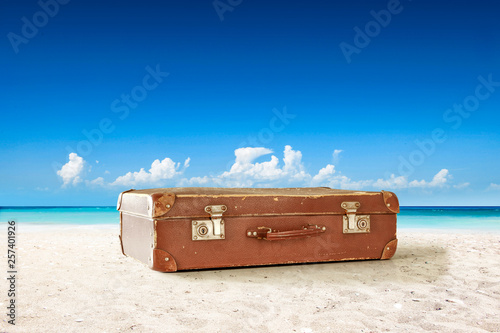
(393, 95)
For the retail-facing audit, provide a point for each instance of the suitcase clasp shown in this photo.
(210, 229)
(353, 223)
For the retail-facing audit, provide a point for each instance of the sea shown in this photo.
(445, 218)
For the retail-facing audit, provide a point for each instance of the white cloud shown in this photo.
(461, 186)
(159, 171)
(245, 172)
(294, 169)
(336, 155)
(392, 183)
(327, 177)
(71, 171)
(400, 182)
(494, 187)
(245, 156)
(323, 175)
(439, 180)
(99, 181)
(198, 181)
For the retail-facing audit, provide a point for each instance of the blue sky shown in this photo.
(370, 95)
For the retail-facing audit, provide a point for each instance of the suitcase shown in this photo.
(173, 229)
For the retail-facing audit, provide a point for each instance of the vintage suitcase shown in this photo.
(172, 229)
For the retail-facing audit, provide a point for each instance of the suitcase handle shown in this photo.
(269, 234)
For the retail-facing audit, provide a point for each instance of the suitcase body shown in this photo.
(172, 229)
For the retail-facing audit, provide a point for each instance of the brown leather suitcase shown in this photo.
(172, 229)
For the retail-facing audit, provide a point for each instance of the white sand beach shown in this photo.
(75, 279)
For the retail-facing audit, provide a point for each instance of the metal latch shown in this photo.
(354, 223)
(210, 229)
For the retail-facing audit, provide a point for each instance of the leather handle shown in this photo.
(270, 234)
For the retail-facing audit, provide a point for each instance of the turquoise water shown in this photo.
(475, 218)
(61, 215)
(450, 218)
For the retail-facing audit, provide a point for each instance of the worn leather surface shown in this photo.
(391, 201)
(163, 261)
(389, 249)
(224, 191)
(162, 203)
(249, 209)
(239, 250)
(255, 202)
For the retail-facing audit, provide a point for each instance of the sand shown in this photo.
(75, 279)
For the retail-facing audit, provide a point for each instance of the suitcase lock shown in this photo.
(354, 223)
(209, 229)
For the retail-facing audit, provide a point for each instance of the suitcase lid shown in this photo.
(191, 202)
